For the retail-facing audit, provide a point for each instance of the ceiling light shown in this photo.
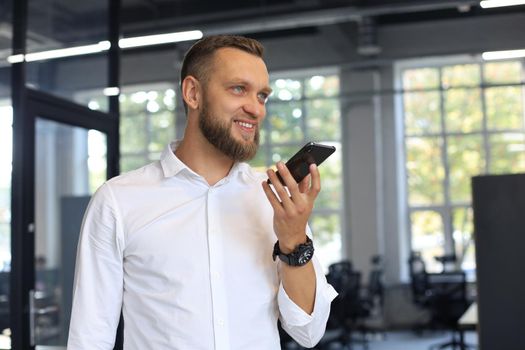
(111, 91)
(94, 105)
(502, 55)
(159, 39)
(105, 45)
(58, 53)
(500, 3)
(15, 58)
(68, 52)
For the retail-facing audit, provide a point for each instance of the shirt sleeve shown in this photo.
(98, 283)
(307, 329)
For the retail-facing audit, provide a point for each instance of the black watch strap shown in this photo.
(300, 256)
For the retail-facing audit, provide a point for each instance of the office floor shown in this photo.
(405, 340)
(390, 341)
(412, 341)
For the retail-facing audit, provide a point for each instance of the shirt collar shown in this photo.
(171, 165)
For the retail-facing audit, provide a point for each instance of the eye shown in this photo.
(263, 97)
(238, 89)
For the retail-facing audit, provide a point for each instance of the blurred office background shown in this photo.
(417, 96)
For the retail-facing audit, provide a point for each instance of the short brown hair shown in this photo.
(197, 61)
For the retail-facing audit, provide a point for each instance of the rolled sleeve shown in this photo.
(307, 329)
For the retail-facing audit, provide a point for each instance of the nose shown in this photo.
(254, 107)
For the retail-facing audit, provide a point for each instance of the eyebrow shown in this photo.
(267, 90)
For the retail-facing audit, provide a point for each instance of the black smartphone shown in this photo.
(299, 164)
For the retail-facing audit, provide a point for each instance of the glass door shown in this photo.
(70, 164)
(71, 150)
(6, 143)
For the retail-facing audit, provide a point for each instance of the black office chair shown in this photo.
(448, 261)
(447, 301)
(372, 298)
(347, 310)
(375, 288)
(421, 292)
(418, 279)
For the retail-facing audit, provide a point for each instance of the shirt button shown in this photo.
(216, 275)
(220, 322)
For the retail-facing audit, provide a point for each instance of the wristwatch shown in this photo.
(301, 255)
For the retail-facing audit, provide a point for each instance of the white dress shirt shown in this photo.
(190, 264)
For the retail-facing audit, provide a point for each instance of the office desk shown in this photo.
(469, 321)
(470, 317)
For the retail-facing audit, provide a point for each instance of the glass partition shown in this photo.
(70, 165)
(6, 146)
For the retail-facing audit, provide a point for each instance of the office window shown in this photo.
(460, 120)
(147, 121)
(306, 108)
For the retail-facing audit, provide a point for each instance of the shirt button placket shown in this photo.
(218, 291)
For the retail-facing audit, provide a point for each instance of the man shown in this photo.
(185, 245)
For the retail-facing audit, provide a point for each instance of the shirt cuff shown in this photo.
(293, 315)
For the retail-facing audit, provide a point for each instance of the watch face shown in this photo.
(305, 256)
(302, 254)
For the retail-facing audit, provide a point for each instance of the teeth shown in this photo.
(246, 125)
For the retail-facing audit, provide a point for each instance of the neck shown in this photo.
(203, 158)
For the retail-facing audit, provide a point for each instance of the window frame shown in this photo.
(448, 207)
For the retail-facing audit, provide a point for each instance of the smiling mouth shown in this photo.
(245, 125)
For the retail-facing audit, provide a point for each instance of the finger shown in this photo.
(281, 191)
(315, 186)
(272, 197)
(289, 181)
(305, 184)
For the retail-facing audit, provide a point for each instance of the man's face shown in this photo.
(233, 106)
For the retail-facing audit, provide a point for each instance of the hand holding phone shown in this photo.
(299, 164)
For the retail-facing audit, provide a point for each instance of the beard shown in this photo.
(219, 134)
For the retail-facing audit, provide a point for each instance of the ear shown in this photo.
(191, 92)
